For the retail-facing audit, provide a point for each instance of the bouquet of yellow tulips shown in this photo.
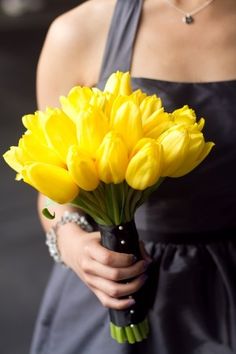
(106, 152)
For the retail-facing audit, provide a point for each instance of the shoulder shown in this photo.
(83, 21)
(73, 49)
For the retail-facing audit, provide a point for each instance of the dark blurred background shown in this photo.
(24, 261)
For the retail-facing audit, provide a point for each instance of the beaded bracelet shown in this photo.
(51, 240)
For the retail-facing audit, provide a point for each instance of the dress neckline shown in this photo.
(194, 83)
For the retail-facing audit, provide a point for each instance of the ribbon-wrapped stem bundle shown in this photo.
(106, 152)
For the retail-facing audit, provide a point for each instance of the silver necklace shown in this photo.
(188, 16)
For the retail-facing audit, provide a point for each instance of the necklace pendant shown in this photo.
(188, 19)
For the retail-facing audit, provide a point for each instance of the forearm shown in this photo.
(58, 209)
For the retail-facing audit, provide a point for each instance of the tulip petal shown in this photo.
(14, 157)
(127, 122)
(144, 168)
(35, 151)
(112, 158)
(92, 126)
(52, 181)
(82, 168)
(77, 99)
(60, 132)
(157, 123)
(184, 115)
(35, 125)
(188, 167)
(149, 105)
(175, 143)
(119, 84)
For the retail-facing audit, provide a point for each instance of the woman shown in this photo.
(188, 226)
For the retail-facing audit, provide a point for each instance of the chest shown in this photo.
(204, 51)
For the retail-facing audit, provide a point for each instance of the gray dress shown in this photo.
(188, 227)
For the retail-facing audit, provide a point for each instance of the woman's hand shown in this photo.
(102, 269)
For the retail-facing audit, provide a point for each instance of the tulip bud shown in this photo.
(197, 152)
(119, 84)
(175, 143)
(158, 122)
(112, 158)
(92, 126)
(35, 124)
(35, 151)
(82, 168)
(150, 105)
(77, 99)
(60, 132)
(138, 96)
(184, 115)
(52, 181)
(14, 157)
(127, 122)
(144, 168)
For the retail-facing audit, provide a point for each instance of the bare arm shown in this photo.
(63, 63)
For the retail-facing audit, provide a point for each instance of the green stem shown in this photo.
(120, 335)
(95, 213)
(128, 215)
(99, 201)
(122, 194)
(112, 330)
(115, 204)
(137, 334)
(129, 334)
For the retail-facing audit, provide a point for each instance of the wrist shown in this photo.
(61, 235)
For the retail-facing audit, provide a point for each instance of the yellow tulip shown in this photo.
(112, 158)
(144, 168)
(138, 96)
(92, 126)
(149, 105)
(14, 157)
(119, 84)
(175, 143)
(197, 152)
(158, 122)
(54, 182)
(140, 144)
(34, 151)
(184, 115)
(60, 132)
(82, 168)
(30, 150)
(77, 99)
(34, 123)
(184, 148)
(126, 120)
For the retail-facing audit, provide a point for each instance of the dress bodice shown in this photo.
(205, 199)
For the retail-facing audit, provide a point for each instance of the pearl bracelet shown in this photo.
(51, 240)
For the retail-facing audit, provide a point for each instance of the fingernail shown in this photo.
(134, 259)
(131, 302)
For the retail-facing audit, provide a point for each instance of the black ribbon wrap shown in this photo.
(124, 238)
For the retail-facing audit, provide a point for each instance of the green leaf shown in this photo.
(47, 214)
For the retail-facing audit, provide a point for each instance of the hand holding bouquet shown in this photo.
(106, 152)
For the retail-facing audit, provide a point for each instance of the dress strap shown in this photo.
(121, 36)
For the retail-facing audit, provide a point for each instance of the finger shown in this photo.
(110, 258)
(114, 289)
(93, 267)
(112, 303)
(144, 253)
